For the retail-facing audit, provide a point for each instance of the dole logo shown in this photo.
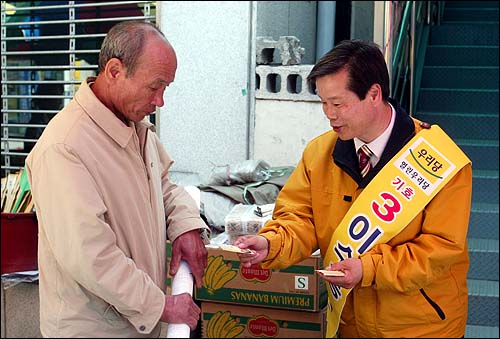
(255, 273)
(262, 326)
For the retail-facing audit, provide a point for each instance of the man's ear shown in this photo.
(114, 68)
(375, 94)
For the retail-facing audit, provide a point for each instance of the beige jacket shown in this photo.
(105, 208)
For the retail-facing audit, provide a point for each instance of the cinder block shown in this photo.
(284, 83)
(289, 49)
(265, 46)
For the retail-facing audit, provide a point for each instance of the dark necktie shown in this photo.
(364, 154)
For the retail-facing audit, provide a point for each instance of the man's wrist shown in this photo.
(268, 247)
(204, 235)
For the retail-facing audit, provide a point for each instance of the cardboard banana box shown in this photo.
(295, 288)
(234, 321)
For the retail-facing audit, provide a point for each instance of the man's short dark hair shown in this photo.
(126, 41)
(364, 63)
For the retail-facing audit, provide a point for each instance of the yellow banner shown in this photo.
(392, 199)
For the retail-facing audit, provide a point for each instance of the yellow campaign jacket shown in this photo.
(413, 286)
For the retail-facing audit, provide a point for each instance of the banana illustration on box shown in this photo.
(222, 325)
(217, 274)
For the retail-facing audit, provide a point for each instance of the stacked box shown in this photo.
(297, 287)
(246, 219)
(233, 321)
(238, 302)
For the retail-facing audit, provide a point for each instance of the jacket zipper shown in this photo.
(147, 166)
(143, 153)
(434, 305)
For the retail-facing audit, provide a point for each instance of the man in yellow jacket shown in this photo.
(414, 284)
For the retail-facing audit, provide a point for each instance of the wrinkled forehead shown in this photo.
(157, 46)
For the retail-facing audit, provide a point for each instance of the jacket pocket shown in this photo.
(398, 310)
(114, 318)
(434, 305)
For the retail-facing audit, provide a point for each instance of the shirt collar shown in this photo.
(102, 115)
(377, 146)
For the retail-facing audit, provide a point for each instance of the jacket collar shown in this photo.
(101, 115)
(344, 153)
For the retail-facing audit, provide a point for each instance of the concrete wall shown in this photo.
(297, 18)
(283, 128)
(206, 115)
(285, 121)
(20, 311)
(209, 114)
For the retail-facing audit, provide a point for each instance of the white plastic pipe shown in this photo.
(181, 283)
(325, 27)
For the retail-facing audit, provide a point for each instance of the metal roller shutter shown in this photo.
(48, 48)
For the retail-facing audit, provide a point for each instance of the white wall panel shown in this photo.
(206, 113)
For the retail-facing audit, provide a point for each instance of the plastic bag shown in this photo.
(240, 173)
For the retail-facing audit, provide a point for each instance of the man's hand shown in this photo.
(181, 309)
(257, 243)
(353, 273)
(190, 247)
